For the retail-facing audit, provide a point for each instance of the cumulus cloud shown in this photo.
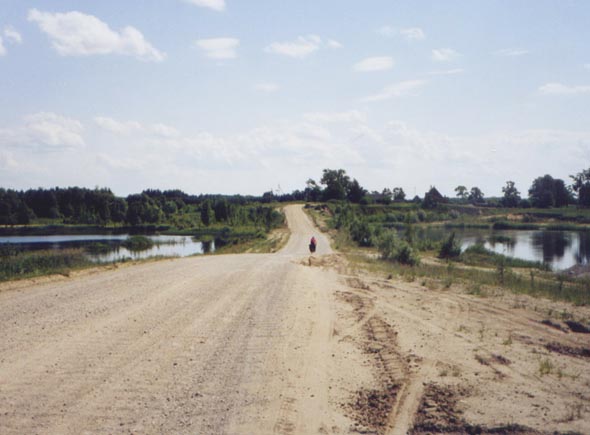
(511, 52)
(408, 33)
(117, 127)
(300, 48)
(78, 34)
(561, 89)
(216, 5)
(332, 43)
(219, 48)
(444, 54)
(12, 35)
(401, 89)
(267, 87)
(52, 130)
(379, 63)
(413, 34)
(2, 48)
(44, 131)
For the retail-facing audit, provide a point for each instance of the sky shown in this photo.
(234, 96)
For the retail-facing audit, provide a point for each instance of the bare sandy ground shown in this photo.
(282, 343)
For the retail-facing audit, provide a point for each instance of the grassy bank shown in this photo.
(18, 265)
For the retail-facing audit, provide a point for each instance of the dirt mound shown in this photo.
(439, 414)
(370, 409)
(579, 352)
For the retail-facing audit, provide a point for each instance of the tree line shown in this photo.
(544, 192)
(100, 206)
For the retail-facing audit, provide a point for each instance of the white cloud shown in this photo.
(333, 44)
(44, 131)
(444, 54)
(216, 5)
(164, 130)
(300, 48)
(561, 89)
(413, 34)
(408, 33)
(266, 87)
(400, 89)
(511, 52)
(77, 34)
(117, 127)
(348, 117)
(370, 64)
(2, 49)
(447, 72)
(219, 48)
(12, 35)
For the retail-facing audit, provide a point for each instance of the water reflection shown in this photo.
(107, 248)
(552, 244)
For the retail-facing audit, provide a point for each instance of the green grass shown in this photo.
(17, 265)
(478, 255)
(138, 243)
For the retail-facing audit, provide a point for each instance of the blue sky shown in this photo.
(227, 96)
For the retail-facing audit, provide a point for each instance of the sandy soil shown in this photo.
(282, 343)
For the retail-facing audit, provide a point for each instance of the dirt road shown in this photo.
(278, 343)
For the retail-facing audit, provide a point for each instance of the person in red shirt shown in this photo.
(312, 244)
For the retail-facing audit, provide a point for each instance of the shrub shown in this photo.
(394, 249)
(138, 243)
(450, 248)
(360, 232)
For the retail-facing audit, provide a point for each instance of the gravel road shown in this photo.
(213, 344)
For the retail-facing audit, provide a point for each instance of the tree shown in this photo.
(355, 192)
(337, 184)
(581, 186)
(207, 215)
(476, 195)
(386, 196)
(312, 191)
(462, 192)
(398, 194)
(511, 196)
(547, 191)
(432, 198)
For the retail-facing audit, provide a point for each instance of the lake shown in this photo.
(559, 249)
(166, 246)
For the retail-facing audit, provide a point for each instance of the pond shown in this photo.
(559, 249)
(166, 246)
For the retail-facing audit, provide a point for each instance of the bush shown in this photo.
(138, 243)
(450, 248)
(394, 249)
(360, 232)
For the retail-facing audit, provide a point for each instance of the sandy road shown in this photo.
(285, 343)
(217, 344)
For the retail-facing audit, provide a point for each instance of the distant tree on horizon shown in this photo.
(511, 196)
(547, 191)
(581, 186)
